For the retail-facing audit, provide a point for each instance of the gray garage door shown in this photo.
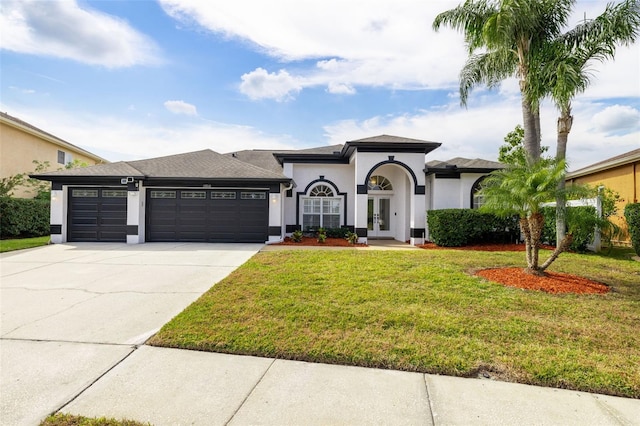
(97, 214)
(207, 215)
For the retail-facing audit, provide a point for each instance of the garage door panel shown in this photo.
(207, 215)
(97, 214)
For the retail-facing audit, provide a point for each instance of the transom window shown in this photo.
(321, 191)
(322, 209)
(379, 183)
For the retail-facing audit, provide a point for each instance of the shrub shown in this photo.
(352, 237)
(322, 235)
(23, 217)
(581, 223)
(296, 236)
(632, 214)
(337, 232)
(459, 227)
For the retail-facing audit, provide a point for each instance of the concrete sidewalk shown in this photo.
(176, 387)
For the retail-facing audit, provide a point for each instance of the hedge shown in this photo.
(21, 217)
(632, 214)
(459, 227)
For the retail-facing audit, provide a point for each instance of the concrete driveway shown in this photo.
(71, 312)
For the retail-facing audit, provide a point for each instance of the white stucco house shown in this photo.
(378, 187)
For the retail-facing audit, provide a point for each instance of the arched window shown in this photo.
(379, 183)
(321, 191)
(477, 200)
(321, 208)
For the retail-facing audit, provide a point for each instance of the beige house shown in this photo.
(621, 174)
(21, 143)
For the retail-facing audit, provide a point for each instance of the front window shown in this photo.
(477, 200)
(321, 209)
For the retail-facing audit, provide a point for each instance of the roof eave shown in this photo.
(603, 166)
(51, 138)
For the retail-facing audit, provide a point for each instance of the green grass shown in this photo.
(423, 311)
(23, 243)
(70, 420)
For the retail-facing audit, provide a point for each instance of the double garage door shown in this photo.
(207, 215)
(189, 215)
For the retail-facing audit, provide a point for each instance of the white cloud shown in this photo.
(340, 88)
(119, 139)
(617, 119)
(374, 43)
(66, 30)
(260, 84)
(478, 132)
(180, 107)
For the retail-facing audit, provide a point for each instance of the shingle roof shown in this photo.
(205, 164)
(266, 160)
(390, 139)
(465, 163)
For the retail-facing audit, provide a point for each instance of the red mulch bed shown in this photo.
(553, 282)
(312, 241)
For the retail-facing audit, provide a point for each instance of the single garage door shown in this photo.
(207, 215)
(97, 214)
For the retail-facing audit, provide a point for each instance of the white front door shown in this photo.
(379, 216)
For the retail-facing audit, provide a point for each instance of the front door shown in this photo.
(379, 217)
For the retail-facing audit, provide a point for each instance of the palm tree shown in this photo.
(511, 31)
(565, 71)
(521, 190)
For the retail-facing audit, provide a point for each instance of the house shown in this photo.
(378, 187)
(621, 174)
(21, 143)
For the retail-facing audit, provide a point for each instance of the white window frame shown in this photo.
(322, 207)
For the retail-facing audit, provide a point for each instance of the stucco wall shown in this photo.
(303, 174)
(18, 149)
(625, 180)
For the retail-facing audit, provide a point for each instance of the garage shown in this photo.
(207, 215)
(97, 214)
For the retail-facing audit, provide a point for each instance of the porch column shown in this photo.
(275, 217)
(133, 214)
(58, 214)
(360, 211)
(418, 218)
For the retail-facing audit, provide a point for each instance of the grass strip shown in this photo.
(22, 243)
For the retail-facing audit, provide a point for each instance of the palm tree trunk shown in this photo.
(560, 248)
(533, 231)
(530, 121)
(564, 127)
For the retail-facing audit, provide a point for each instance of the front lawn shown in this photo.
(422, 311)
(22, 243)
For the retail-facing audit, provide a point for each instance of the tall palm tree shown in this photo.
(511, 31)
(564, 71)
(521, 190)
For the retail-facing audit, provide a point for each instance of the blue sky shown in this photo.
(139, 79)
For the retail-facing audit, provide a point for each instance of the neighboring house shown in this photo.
(21, 144)
(378, 187)
(621, 174)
